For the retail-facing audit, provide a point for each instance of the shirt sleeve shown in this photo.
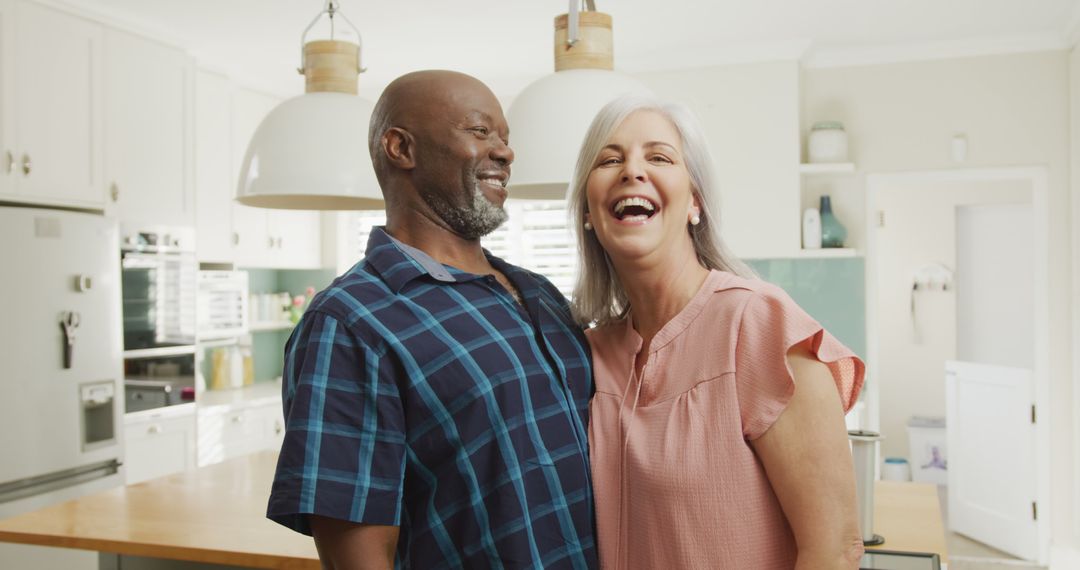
(771, 324)
(343, 455)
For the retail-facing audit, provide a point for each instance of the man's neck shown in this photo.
(435, 239)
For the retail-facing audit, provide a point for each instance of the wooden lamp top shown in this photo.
(331, 66)
(593, 49)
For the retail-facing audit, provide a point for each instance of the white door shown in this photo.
(147, 131)
(58, 107)
(993, 480)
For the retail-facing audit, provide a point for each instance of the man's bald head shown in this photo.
(439, 143)
(414, 99)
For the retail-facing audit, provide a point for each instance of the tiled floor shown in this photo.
(967, 554)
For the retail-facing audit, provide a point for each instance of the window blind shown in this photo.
(535, 237)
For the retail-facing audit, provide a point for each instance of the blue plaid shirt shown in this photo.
(422, 396)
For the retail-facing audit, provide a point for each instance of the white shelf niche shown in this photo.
(827, 168)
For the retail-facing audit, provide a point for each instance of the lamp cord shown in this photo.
(573, 14)
(332, 8)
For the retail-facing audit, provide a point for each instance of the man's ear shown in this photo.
(398, 145)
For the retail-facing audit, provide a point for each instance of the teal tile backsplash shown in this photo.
(832, 290)
(267, 347)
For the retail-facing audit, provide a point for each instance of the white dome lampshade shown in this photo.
(311, 152)
(548, 120)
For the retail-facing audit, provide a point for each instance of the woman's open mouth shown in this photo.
(634, 209)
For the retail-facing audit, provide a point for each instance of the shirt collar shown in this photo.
(398, 263)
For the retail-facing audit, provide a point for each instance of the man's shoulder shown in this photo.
(352, 294)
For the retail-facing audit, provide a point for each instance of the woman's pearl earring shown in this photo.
(695, 220)
(588, 226)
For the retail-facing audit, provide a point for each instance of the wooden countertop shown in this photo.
(908, 517)
(216, 514)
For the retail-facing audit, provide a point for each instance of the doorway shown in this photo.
(956, 269)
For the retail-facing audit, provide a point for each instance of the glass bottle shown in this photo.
(832, 232)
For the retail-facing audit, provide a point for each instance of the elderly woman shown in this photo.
(717, 431)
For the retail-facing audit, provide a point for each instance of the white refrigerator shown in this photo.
(61, 367)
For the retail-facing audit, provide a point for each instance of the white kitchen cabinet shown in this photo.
(158, 444)
(240, 421)
(282, 239)
(228, 431)
(214, 180)
(148, 124)
(273, 421)
(53, 74)
(297, 239)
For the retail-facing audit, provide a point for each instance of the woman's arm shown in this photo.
(808, 462)
(343, 545)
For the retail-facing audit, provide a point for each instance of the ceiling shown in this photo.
(508, 43)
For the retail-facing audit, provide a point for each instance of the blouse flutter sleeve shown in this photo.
(771, 324)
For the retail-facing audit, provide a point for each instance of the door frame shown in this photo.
(1037, 176)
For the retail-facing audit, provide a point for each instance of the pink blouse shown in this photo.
(677, 484)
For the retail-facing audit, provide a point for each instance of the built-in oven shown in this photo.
(159, 282)
(159, 273)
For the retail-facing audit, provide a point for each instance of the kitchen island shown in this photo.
(213, 517)
(214, 514)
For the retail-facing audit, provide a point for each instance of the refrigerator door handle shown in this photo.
(57, 480)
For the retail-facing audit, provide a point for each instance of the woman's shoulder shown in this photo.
(607, 332)
(740, 291)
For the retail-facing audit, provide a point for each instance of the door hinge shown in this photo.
(1034, 511)
(881, 218)
(1033, 413)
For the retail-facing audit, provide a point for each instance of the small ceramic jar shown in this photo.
(827, 142)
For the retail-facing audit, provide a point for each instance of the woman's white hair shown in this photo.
(599, 297)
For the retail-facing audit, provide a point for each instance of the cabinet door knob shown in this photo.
(238, 419)
(114, 192)
(9, 160)
(153, 429)
(236, 238)
(279, 242)
(271, 241)
(26, 164)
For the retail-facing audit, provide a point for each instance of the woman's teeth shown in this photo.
(634, 209)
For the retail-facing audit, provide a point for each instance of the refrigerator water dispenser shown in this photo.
(98, 414)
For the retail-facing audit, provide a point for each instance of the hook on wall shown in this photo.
(932, 277)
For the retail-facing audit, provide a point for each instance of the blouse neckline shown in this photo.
(632, 341)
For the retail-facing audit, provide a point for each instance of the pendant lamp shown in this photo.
(311, 151)
(549, 118)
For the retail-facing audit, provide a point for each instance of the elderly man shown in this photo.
(436, 396)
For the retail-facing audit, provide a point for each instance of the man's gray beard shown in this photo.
(474, 221)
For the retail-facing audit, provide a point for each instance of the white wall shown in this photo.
(920, 229)
(1013, 110)
(750, 114)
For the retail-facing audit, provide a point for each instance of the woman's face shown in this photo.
(639, 192)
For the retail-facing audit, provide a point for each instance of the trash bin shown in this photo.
(926, 441)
